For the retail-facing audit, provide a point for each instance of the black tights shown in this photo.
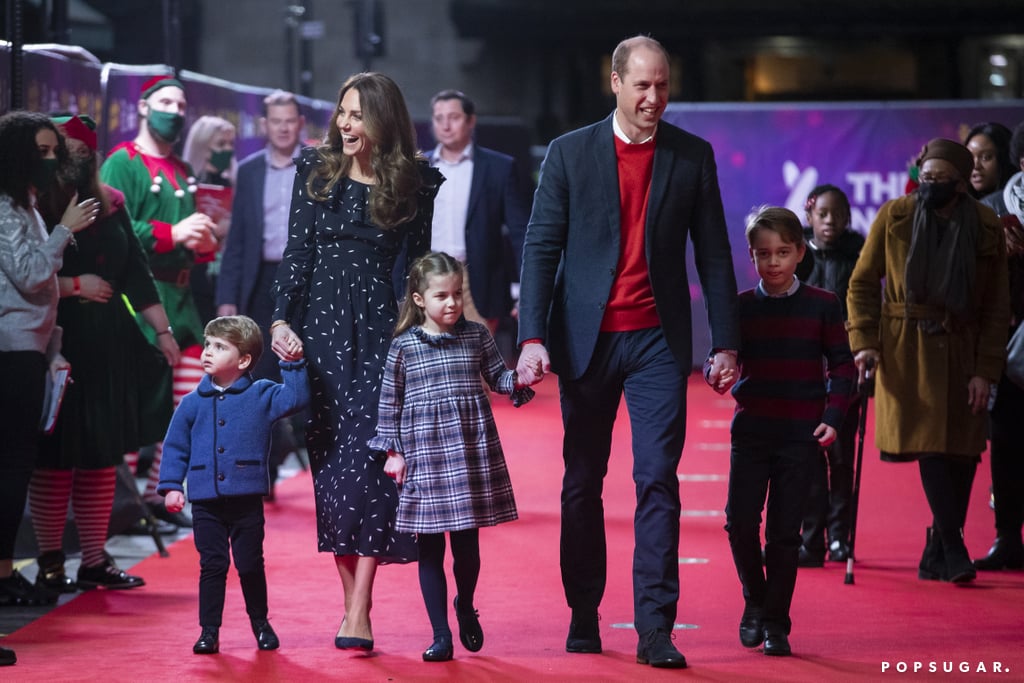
(947, 484)
(434, 585)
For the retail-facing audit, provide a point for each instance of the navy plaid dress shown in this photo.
(434, 410)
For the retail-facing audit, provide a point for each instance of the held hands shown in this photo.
(174, 501)
(227, 309)
(286, 344)
(80, 214)
(977, 394)
(721, 374)
(825, 434)
(533, 364)
(196, 232)
(394, 467)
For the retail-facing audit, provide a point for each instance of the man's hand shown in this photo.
(533, 364)
(196, 232)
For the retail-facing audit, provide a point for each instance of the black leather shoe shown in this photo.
(470, 634)
(584, 635)
(776, 643)
(266, 639)
(209, 641)
(7, 657)
(1007, 552)
(16, 591)
(350, 643)
(751, 628)
(107, 575)
(51, 574)
(810, 558)
(656, 649)
(176, 518)
(441, 650)
(838, 551)
(933, 562)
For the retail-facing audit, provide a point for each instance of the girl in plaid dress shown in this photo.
(435, 423)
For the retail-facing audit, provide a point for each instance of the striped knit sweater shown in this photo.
(796, 368)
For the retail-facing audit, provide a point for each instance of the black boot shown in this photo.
(959, 568)
(1007, 552)
(933, 562)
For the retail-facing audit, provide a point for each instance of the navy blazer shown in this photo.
(496, 201)
(572, 245)
(243, 250)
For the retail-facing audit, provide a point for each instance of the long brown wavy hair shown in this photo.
(389, 127)
(422, 269)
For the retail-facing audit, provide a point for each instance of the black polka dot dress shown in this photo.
(335, 288)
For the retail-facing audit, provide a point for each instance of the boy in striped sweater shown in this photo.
(796, 378)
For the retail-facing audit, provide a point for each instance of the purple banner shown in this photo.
(777, 153)
(57, 81)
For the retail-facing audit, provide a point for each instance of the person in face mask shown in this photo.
(210, 150)
(929, 312)
(159, 190)
(114, 367)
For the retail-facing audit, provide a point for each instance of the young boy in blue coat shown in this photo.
(219, 441)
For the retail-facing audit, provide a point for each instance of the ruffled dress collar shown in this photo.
(438, 339)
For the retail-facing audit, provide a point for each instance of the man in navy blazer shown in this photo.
(605, 293)
(480, 212)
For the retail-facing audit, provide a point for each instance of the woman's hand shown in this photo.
(867, 361)
(168, 346)
(286, 344)
(80, 214)
(394, 467)
(94, 288)
(977, 394)
(59, 362)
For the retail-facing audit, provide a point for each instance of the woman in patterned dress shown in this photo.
(361, 199)
(437, 427)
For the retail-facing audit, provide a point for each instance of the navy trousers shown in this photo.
(236, 525)
(639, 366)
(780, 471)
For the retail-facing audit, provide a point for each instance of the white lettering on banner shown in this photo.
(876, 188)
(870, 189)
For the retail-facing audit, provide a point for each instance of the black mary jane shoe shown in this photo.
(471, 635)
(209, 641)
(107, 575)
(441, 650)
(266, 639)
(51, 574)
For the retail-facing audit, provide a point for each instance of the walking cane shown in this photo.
(866, 390)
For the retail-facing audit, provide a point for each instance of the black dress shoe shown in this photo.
(209, 641)
(441, 650)
(349, 643)
(933, 562)
(1007, 552)
(656, 649)
(7, 657)
(16, 591)
(584, 634)
(838, 551)
(107, 575)
(751, 628)
(776, 643)
(470, 634)
(266, 639)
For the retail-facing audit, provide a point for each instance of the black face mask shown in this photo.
(44, 174)
(936, 195)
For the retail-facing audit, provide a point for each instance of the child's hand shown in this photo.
(826, 435)
(174, 501)
(726, 378)
(394, 467)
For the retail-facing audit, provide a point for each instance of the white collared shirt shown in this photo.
(451, 205)
(782, 295)
(617, 129)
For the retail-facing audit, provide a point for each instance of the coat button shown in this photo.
(611, 271)
(601, 305)
(221, 422)
(220, 477)
(221, 397)
(220, 449)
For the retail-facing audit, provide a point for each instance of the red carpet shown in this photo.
(840, 632)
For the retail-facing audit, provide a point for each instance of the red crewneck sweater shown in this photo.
(631, 304)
